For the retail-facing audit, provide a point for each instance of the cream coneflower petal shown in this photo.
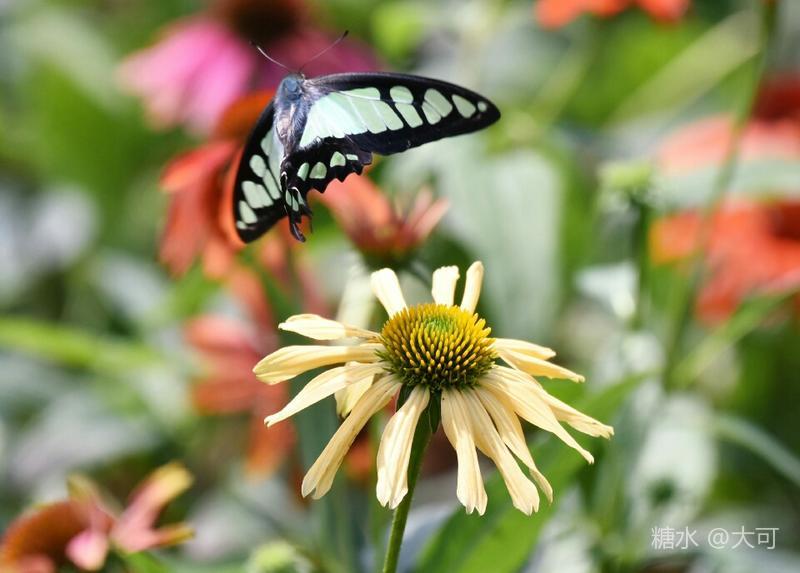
(578, 420)
(523, 347)
(395, 448)
(387, 290)
(348, 397)
(319, 477)
(527, 404)
(457, 428)
(319, 328)
(537, 366)
(472, 289)
(510, 430)
(523, 493)
(443, 288)
(323, 386)
(288, 362)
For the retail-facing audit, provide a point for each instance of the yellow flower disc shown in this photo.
(437, 346)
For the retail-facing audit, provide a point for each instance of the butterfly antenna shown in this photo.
(333, 45)
(270, 58)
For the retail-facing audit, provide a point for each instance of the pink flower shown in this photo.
(82, 529)
(204, 63)
(192, 75)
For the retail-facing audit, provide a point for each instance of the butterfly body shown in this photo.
(320, 129)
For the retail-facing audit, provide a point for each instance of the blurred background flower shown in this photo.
(557, 13)
(204, 63)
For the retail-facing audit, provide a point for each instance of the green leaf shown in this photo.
(74, 347)
(741, 432)
(692, 73)
(748, 317)
(502, 539)
(144, 563)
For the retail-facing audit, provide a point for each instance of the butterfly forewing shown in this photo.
(389, 113)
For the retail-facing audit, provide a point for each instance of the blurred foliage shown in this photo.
(556, 199)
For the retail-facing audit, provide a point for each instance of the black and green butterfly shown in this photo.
(320, 129)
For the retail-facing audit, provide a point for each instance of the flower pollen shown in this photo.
(437, 346)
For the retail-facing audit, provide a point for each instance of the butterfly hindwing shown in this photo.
(388, 113)
(258, 201)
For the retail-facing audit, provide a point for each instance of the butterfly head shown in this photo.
(291, 87)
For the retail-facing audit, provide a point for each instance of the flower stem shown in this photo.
(422, 436)
(686, 295)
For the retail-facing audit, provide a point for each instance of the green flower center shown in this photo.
(437, 346)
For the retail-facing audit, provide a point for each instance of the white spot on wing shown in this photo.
(302, 173)
(401, 94)
(465, 107)
(258, 165)
(337, 159)
(435, 98)
(246, 213)
(319, 171)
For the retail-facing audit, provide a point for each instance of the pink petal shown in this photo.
(88, 549)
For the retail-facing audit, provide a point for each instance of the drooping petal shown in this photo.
(395, 448)
(537, 366)
(578, 420)
(523, 347)
(444, 285)
(472, 289)
(348, 397)
(523, 493)
(387, 290)
(528, 405)
(456, 424)
(319, 328)
(510, 430)
(289, 361)
(323, 386)
(133, 531)
(320, 476)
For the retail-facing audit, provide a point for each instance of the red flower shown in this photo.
(204, 63)
(82, 529)
(230, 351)
(557, 13)
(382, 231)
(773, 132)
(753, 248)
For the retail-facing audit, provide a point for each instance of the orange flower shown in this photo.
(81, 529)
(753, 248)
(383, 232)
(557, 13)
(199, 184)
(230, 350)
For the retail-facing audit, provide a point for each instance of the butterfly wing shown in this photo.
(258, 201)
(350, 116)
(341, 121)
(388, 113)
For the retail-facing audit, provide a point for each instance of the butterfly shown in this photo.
(320, 129)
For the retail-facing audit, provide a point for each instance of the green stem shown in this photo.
(686, 294)
(643, 213)
(422, 436)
